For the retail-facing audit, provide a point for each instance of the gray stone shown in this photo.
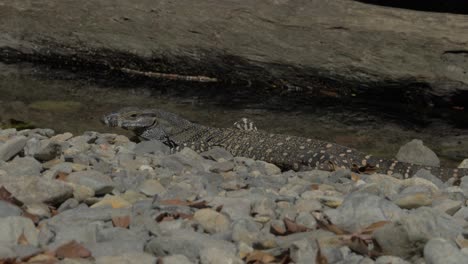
(381, 185)
(462, 214)
(83, 233)
(187, 243)
(359, 210)
(303, 205)
(463, 164)
(8, 209)
(223, 166)
(407, 236)
(464, 185)
(235, 208)
(355, 259)
(24, 251)
(269, 168)
(440, 251)
(176, 259)
(12, 227)
(6, 252)
(212, 221)
(218, 255)
(43, 150)
(68, 204)
(425, 174)
(128, 258)
(83, 215)
(246, 231)
(447, 206)
(152, 187)
(100, 183)
(217, 154)
(414, 197)
(303, 251)
(264, 207)
(151, 147)
(38, 209)
(23, 167)
(116, 248)
(35, 189)
(416, 152)
(390, 260)
(306, 219)
(12, 147)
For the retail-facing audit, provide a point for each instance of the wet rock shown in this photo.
(23, 167)
(12, 147)
(35, 189)
(440, 251)
(408, 235)
(217, 154)
(416, 152)
(359, 210)
(151, 147)
(128, 258)
(8, 209)
(212, 221)
(186, 243)
(13, 227)
(176, 259)
(100, 183)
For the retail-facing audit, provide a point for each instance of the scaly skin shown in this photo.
(287, 152)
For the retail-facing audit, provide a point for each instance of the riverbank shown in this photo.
(104, 199)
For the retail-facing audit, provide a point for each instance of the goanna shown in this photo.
(287, 152)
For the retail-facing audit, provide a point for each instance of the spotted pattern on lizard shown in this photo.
(287, 152)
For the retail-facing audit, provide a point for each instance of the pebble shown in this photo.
(416, 152)
(131, 202)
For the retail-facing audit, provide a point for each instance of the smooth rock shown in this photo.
(112, 201)
(407, 236)
(116, 248)
(416, 152)
(390, 260)
(8, 209)
(38, 209)
(463, 164)
(245, 231)
(151, 147)
(12, 147)
(176, 259)
(187, 243)
(26, 166)
(13, 227)
(218, 255)
(100, 183)
(414, 197)
(447, 206)
(440, 251)
(303, 251)
(128, 258)
(152, 187)
(35, 189)
(359, 210)
(223, 166)
(425, 174)
(43, 150)
(212, 221)
(235, 208)
(217, 154)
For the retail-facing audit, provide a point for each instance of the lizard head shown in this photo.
(147, 123)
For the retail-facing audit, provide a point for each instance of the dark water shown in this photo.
(32, 96)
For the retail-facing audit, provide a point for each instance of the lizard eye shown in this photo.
(133, 115)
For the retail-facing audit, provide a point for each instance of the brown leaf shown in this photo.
(61, 176)
(121, 221)
(199, 204)
(219, 208)
(72, 249)
(320, 258)
(259, 257)
(326, 224)
(173, 202)
(22, 240)
(293, 227)
(6, 196)
(372, 227)
(358, 245)
(314, 187)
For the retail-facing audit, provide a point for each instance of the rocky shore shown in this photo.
(100, 198)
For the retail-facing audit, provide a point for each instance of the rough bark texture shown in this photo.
(337, 48)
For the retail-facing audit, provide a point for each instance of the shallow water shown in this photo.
(75, 105)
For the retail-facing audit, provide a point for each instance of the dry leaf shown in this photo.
(22, 240)
(199, 205)
(259, 257)
(314, 187)
(358, 245)
(61, 176)
(219, 208)
(372, 227)
(121, 221)
(173, 202)
(293, 227)
(72, 249)
(320, 258)
(326, 224)
(6, 196)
